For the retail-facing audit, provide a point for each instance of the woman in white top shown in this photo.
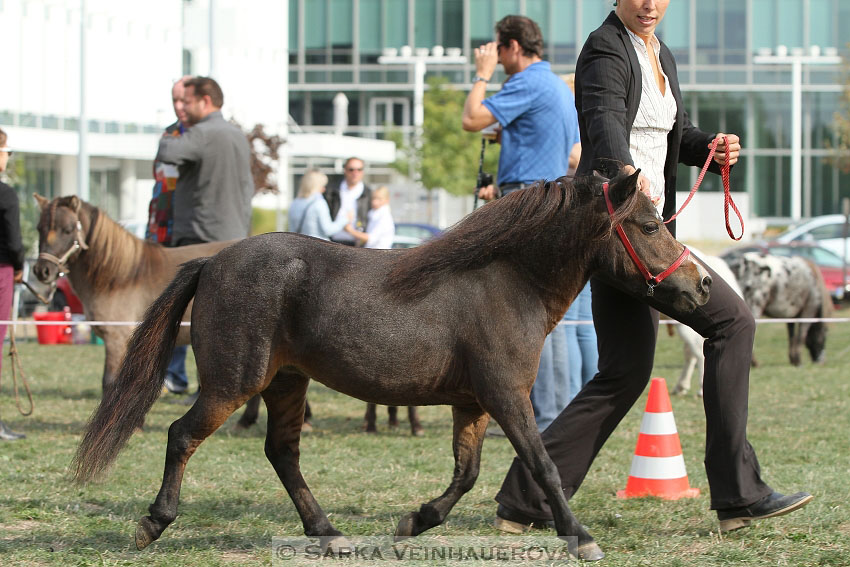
(309, 213)
(631, 112)
(380, 228)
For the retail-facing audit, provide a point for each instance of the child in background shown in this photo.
(380, 228)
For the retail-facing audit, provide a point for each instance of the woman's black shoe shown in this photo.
(772, 505)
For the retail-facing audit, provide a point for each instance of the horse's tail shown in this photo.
(815, 338)
(139, 382)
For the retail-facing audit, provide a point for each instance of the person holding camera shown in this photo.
(539, 127)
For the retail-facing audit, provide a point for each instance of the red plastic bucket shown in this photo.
(53, 334)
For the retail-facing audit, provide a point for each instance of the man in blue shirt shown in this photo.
(535, 109)
(536, 112)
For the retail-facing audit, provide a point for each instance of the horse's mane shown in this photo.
(116, 257)
(498, 229)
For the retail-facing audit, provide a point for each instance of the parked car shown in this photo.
(830, 264)
(409, 235)
(826, 231)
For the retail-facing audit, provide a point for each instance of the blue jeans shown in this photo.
(177, 367)
(581, 343)
(551, 391)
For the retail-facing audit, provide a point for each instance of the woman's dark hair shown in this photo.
(524, 30)
(205, 86)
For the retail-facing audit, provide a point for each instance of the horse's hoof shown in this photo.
(418, 431)
(335, 544)
(239, 426)
(590, 552)
(306, 427)
(406, 526)
(393, 423)
(146, 533)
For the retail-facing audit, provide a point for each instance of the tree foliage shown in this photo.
(449, 155)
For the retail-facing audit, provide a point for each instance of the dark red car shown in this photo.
(831, 265)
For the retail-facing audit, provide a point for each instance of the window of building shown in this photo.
(452, 35)
(425, 23)
(481, 23)
(562, 33)
(395, 24)
(315, 42)
(188, 67)
(822, 23)
(293, 32)
(341, 32)
(105, 190)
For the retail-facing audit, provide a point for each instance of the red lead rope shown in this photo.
(727, 195)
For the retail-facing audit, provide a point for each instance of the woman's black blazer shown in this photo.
(608, 89)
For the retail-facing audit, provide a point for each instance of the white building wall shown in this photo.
(250, 51)
(134, 51)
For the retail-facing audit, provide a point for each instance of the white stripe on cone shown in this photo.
(658, 423)
(658, 467)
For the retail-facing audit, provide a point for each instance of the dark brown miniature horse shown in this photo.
(459, 321)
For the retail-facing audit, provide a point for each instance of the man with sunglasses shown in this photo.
(350, 196)
(539, 127)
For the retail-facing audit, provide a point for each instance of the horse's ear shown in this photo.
(622, 188)
(42, 202)
(74, 203)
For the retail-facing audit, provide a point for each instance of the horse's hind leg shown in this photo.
(286, 399)
(469, 426)
(416, 428)
(392, 415)
(249, 416)
(184, 436)
(370, 418)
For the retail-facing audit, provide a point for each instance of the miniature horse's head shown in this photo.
(682, 287)
(62, 228)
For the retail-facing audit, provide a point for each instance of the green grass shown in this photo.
(232, 503)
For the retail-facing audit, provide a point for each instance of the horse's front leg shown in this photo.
(416, 428)
(468, 436)
(115, 343)
(516, 417)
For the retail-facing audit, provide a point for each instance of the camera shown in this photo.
(484, 179)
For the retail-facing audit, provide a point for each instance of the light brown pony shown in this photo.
(115, 274)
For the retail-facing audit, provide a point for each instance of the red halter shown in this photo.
(651, 281)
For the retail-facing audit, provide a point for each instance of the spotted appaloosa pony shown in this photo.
(787, 287)
(459, 320)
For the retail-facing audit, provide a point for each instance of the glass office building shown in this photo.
(334, 46)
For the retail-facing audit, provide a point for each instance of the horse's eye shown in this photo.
(650, 227)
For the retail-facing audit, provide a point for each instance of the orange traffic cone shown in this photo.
(658, 468)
